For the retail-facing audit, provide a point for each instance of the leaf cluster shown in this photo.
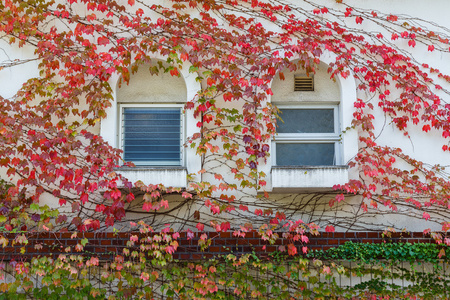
(395, 252)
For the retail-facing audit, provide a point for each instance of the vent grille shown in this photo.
(303, 84)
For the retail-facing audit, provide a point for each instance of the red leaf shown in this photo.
(174, 72)
(292, 250)
(100, 208)
(147, 206)
(130, 197)
(446, 133)
(109, 221)
(200, 226)
(329, 228)
(184, 56)
(84, 198)
(227, 96)
(243, 207)
(225, 226)
(392, 18)
(348, 11)
(103, 41)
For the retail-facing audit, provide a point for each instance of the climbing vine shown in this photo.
(50, 147)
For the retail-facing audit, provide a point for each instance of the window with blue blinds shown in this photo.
(152, 136)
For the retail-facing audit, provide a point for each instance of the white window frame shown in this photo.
(306, 138)
(121, 106)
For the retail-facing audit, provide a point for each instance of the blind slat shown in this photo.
(155, 129)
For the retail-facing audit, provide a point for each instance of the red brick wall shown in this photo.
(105, 245)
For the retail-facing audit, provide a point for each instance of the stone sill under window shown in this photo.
(291, 178)
(166, 175)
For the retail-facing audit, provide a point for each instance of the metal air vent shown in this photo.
(303, 84)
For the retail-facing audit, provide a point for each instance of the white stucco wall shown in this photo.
(12, 79)
(147, 88)
(325, 89)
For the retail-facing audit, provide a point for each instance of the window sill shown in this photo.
(166, 175)
(291, 178)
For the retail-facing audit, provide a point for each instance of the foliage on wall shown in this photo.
(48, 144)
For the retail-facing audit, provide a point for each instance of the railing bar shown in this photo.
(351, 275)
(403, 276)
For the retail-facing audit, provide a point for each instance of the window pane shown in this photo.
(306, 154)
(306, 121)
(152, 136)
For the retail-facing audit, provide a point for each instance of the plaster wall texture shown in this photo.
(418, 144)
(308, 177)
(12, 79)
(145, 88)
(325, 89)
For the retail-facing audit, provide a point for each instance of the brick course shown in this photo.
(105, 245)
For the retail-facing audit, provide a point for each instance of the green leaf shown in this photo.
(34, 206)
(84, 241)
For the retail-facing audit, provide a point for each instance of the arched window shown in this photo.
(309, 150)
(151, 119)
(148, 122)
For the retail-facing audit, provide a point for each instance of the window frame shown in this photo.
(182, 160)
(309, 138)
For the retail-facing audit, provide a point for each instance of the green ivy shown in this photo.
(386, 270)
(362, 252)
